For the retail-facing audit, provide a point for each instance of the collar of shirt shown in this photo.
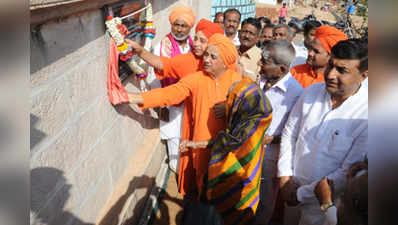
(253, 53)
(282, 84)
(186, 49)
(359, 96)
(235, 40)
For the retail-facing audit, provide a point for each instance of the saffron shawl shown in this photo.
(233, 179)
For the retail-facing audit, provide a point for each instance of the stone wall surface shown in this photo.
(87, 156)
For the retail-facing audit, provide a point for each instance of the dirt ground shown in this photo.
(300, 11)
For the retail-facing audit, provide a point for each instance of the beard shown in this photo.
(183, 38)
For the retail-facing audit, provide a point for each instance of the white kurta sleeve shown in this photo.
(289, 138)
(152, 80)
(357, 153)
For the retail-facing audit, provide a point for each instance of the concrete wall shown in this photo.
(87, 157)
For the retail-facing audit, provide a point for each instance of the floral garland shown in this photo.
(144, 32)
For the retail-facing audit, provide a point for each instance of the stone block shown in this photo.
(98, 160)
(87, 82)
(91, 207)
(51, 108)
(58, 46)
(64, 154)
(93, 123)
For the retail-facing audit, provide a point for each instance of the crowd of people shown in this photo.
(264, 129)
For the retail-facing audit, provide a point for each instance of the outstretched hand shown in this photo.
(135, 98)
(137, 48)
(183, 146)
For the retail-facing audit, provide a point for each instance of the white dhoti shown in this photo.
(269, 185)
(171, 132)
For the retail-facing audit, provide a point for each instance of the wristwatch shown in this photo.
(325, 206)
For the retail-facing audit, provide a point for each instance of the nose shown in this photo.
(195, 42)
(311, 53)
(206, 58)
(331, 73)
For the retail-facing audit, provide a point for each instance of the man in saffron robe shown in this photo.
(203, 90)
(178, 67)
(233, 178)
(318, 56)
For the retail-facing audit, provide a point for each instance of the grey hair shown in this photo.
(284, 51)
(290, 30)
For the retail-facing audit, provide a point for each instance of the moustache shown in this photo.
(179, 36)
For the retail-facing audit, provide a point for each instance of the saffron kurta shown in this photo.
(179, 66)
(306, 76)
(202, 92)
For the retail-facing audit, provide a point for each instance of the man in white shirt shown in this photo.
(249, 53)
(231, 25)
(283, 31)
(326, 132)
(283, 91)
(177, 42)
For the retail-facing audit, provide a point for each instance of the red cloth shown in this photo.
(208, 28)
(116, 92)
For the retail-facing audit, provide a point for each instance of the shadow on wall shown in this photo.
(36, 136)
(143, 186)
(139, 187)
(49, 194)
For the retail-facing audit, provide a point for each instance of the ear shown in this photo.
(364, 75)
(284, 69)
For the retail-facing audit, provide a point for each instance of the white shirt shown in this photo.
(236, 39)
(171, 129)
(153, 82)
(282, 96)
(301, 54)
(319, 141)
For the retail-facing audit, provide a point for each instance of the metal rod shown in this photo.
(133, 13)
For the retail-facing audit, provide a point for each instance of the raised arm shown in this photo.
(152, 60)
(170, 95)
